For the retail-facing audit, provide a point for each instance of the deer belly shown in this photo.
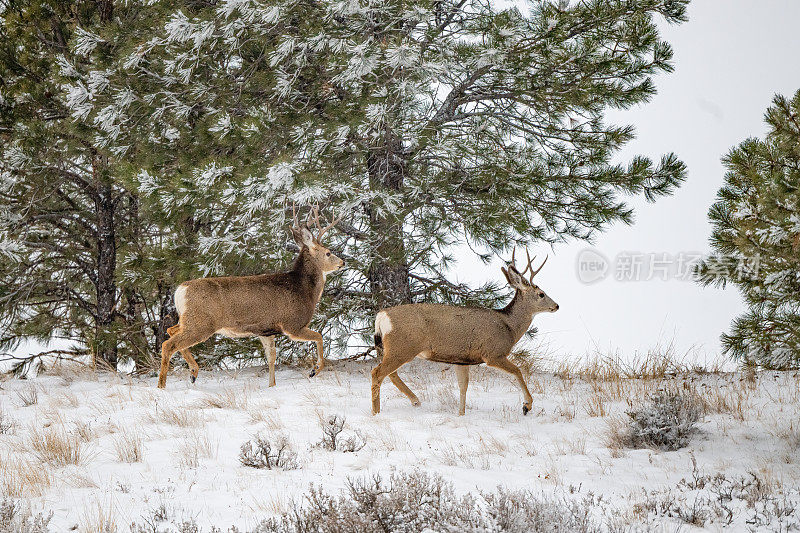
(233, 333)
(458, 359)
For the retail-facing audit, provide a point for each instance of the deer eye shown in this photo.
(541, 295)
(328, 254)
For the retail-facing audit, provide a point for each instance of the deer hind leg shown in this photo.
(392, 360)
(462, 373)
(404, 388)
(272, 354)
(504, 364)
(173, 329)
(180, 341)
(306, 334)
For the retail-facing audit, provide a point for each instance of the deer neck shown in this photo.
(310, 276)
(518, 315)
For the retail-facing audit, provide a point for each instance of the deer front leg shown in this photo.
(511, 368)
(462, 373)
(272, 354)
(306, 334)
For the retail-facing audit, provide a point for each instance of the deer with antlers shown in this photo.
(460, 336)
(255, 306)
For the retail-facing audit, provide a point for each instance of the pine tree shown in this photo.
(430, 123)
(756, 239)
(66, 217)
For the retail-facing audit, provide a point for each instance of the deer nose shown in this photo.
(556, 308)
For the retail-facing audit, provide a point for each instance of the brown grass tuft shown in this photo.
(55, 446)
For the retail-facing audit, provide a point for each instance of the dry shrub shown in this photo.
(419, 501)
(667, 422)
(716, 499)
(332, 426)
(55, 446)
(16, 519)
(264, 453)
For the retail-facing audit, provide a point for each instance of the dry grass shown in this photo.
(67, 399)
(85, 431)
(273, 503)
(28, 396)
(20, 478)
(129, 447)
(6, 423)
(227, 399)
(176, 415)
(55, 446)
(194, 446)
(574, 446)
(463, 456)
(596, 405)
(98, 518)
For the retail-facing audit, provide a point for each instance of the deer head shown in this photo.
(528, 293)
(319, 254)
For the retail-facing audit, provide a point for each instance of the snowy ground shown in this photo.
(189, 438)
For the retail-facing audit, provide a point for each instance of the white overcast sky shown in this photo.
(731, 57)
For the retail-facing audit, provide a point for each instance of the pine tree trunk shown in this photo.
(388, 273)
(105, 336)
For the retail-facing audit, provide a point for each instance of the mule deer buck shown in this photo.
(460, 336)
(255, 306)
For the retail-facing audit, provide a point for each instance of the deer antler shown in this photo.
(528, 266)
(534, 272)
(322, 231)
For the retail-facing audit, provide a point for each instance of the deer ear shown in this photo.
(303, 236)
(514, 278)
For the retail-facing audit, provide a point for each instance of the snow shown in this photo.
(192, 434)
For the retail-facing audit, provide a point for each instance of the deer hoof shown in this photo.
(193, 378)
(416, 403)
(313, 372)
(525, 410)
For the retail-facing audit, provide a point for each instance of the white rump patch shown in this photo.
(180, 299)
(383, 324)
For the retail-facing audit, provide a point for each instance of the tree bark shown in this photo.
(388, 272)
(105, 336)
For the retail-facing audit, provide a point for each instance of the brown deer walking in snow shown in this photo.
(460, 336)
(255, 306)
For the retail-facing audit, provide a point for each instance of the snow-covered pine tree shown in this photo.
(63, 212)
(430, 123)
(756, 239)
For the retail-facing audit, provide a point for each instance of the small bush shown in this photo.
(13, 519)
(331, 428)
(263, 453)
(419, 501)
(667, 422)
